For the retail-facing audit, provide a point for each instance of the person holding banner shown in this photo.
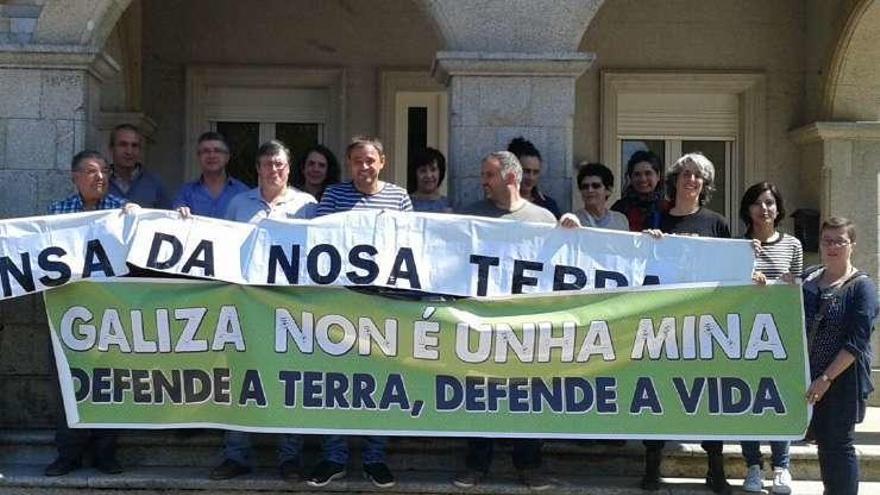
(840, 307)
(690, 183)
(501, 175)
(272, 198)
(365, 158)
(642, 201)
(595, 181)
(316, 170)
(780, 255)
(210, 195)
(91, 177)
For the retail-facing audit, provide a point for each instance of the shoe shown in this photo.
(379, 474)
(534, 479)
(228, 469)
(754, 481)
(290, 470)
(468, 478)
(781, 481)
(716, 480)
(108, 466)
(62, 466)
(325, 472)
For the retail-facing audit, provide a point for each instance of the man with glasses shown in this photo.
(210, 195)
(91, 177)
(272, 198)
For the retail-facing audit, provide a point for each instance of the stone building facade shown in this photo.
(786, 91)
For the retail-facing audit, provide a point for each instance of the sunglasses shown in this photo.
(591, 185)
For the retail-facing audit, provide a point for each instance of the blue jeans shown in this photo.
(336, 449)
(237, 447)
(778, 458)
(833, 427)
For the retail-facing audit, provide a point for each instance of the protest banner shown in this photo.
(447, 254)
(697, 361)
(38, 253)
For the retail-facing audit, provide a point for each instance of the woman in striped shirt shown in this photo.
(780, 255)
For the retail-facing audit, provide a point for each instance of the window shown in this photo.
(669, 113)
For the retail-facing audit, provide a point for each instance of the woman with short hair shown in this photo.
(595, 181)
(840, 306)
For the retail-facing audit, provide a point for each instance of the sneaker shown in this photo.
(108, 466)
(468, 478)
(379, 474)
(754, 481)
(228, 469)
(325, 472)
(290, 470)
(781, 481)
(534, 480)
(62, 466)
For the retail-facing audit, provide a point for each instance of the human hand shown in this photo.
(130, 208)
(817, 390)
(184, 212)
(759, 278)
(655, 233)
(569, 221)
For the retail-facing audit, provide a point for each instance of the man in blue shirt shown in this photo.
(130, 180)
(211, 193)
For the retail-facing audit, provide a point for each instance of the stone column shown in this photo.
(510, 68)
(48, 109)
(844, 159)
(495, 97)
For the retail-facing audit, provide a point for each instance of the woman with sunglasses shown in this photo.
(596, 182)
(840, 306)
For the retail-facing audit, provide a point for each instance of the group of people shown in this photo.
(840, 300)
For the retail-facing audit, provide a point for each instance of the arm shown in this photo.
(861, 311)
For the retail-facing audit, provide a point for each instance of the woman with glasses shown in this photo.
(779, 256)
(596, 182)
(642, 200)
(840, 306)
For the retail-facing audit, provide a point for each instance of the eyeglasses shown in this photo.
(591, 185)
(836, 242)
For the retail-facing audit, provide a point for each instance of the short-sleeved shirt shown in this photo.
(195, 196)
(146, 189)
(74, 204)
(613, 220)
(250, 207)
(704, 222)
(346, 197)
(528, 212)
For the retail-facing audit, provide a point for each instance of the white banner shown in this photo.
(38, 253)
(438, 253)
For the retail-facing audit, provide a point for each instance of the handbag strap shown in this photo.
(823, 309)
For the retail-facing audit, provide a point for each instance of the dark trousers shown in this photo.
(526, 453)
(833, 427)
(73, 443)
(710, 446)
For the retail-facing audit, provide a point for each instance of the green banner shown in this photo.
(674, 362)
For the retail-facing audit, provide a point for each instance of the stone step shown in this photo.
(155, 449)
(18, 479)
